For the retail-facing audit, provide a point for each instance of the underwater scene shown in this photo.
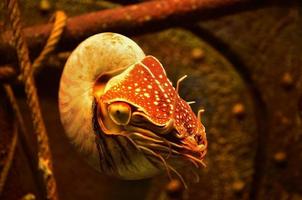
(150, 100)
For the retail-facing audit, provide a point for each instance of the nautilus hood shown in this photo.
(146, 86)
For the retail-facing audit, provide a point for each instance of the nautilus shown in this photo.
(123, 114)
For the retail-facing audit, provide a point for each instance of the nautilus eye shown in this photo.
(119, 112)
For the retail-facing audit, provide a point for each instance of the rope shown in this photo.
(55, 35)
(13, 101)
(20, 136)
(44, 154)
(7, 72)
(9, 159)
(52, 41)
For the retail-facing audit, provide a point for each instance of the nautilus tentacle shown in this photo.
(123, 113)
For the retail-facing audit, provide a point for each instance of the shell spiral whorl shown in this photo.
(117, 131)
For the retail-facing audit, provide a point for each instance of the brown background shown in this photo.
(251, 58)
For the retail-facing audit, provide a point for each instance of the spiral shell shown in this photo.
(94, 56)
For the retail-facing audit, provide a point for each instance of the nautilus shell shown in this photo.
(122, 112)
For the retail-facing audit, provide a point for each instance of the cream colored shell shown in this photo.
(97, 54)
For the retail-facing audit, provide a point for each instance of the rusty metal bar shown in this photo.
(143, 17)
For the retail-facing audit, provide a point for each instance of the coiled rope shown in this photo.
(44, 153)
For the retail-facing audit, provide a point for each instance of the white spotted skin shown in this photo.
(97, 54)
